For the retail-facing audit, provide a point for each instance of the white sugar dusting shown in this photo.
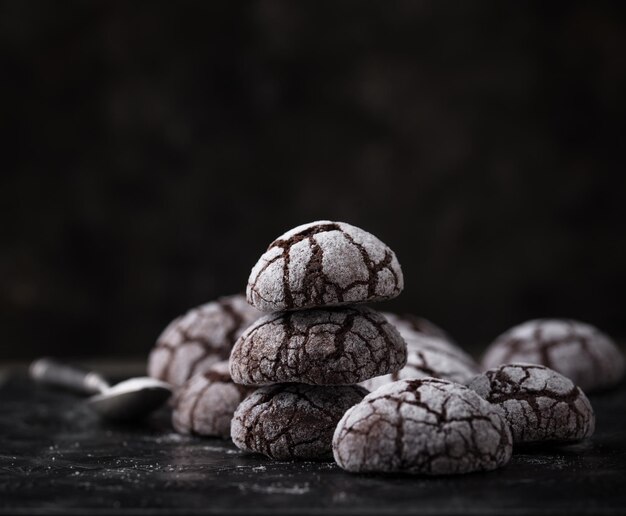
(278, 488)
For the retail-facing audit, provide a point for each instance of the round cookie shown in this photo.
(334, 346)
(577, 350)
(428, 426)
(292, 421)
(203, 336)
(321, 264)
(539, 403)
(205, 403)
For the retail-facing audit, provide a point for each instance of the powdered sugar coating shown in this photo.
(205, 403)
(428, 426)
(292, 421)
(577, 350)
(324, 263)
(539, 403)
(428, 355)
(203, 336)
(333, 346)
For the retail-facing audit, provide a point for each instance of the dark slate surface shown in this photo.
(56, 457)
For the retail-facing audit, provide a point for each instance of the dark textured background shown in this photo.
(152, 150)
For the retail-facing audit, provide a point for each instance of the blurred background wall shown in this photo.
(152, 150)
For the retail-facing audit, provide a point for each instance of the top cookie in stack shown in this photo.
(321, 264)
(305, 278)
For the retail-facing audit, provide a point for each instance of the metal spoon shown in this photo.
(131, 399)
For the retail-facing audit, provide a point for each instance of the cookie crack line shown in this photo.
(373, 268)
(285, 246)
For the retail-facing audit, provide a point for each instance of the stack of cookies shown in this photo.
(317, 342)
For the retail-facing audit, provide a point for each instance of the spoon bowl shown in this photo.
(128, 400)
(131, 399)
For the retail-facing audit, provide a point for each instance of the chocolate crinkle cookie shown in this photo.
(539, 403)
(428, 426)
(324, 263)
(205, 404)
(334, 346)
(428, 355)
(203, 336)
(292, 421)
(577, 350)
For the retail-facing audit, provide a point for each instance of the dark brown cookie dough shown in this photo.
(203, 336)
(205, 403)
(334, 346)
(577, 350)
(324, 263)
(292, 421)
(428, 426)
(539, 403)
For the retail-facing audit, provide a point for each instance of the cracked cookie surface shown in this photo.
(205, 403)
(428, 426)
(428, 355)
(539, 403)
(292, 421)
(324, 263)
(577, 350)
(203, 336)
(333, 346)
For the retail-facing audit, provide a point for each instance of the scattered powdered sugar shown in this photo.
(219, 449)
(277, 488)
(171, 437)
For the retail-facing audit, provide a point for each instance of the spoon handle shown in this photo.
(55, 373)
